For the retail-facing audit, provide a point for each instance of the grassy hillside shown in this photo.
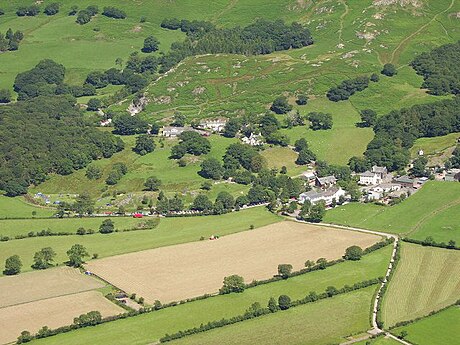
(426, 279)
(182, 180)
(441, 328)
(170, 231)
(432, 211)
(149, 327)
(19, 208)
(323, 322)
(96, 45)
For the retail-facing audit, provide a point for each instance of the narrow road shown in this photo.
(375, 328)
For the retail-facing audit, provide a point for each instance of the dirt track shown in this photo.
(192, 269)
(33, 286)
(52, 312)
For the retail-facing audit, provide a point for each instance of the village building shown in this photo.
(105, 123)
(172, 131)
(381, 171)
(253, 140)
(452, 175)
(308, 176)
(369, 178)
(215, 125)
(325, 182)
(327, 195)
(405, 181)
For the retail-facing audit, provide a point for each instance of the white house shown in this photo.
(215, 125)
(369, 178)
(309, 176)
(386, 187)
(327, 196)
(381, 171)
(172, 132)
(253, 140)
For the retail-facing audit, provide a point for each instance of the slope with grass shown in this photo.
(432, 211)
(19, 208)
(325, 322)
(426, 279)
(147, 328)
(170, 231)
(441, 328)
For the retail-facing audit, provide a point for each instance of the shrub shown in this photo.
(150, 44)
(389, 70)
(51, 9)
(280, 105)
(233, 283)
(284, 302)
(113, 12)
(107, 227)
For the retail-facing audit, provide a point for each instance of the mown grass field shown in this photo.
(441, 328)
(325, 322)
(426, 279)
(13, 227)
(432, 211)
(19, 208)
(170, 231)
(147, 328)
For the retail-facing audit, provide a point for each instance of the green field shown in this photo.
(426, 279)
(170, 231)
(325, 322)
(432, 211)
(13, 227)
(441, 328)
(149, 327)
(19, 208)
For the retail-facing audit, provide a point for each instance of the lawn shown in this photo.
(19, 208)
(170, 231)
(432, 211)
(426, 279)
(441, 328)
(325, 322)
(149, 327)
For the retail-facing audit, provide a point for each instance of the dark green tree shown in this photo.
(44, 258)
(353, 253)
(201, 203)
(284, 302)
(93, 172)
(389, 70)
(13, 265)
(280, 105)
(77, 254)
(107, 226)
(368, 118)
(150, 44)
(152, 183)
(233, 283)
(211, 168)
(284, 270)
(144, 145)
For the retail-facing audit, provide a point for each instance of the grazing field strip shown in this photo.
(193, 269)
(441, 328)
(53, 312)
(39, 285)
(324, 322)
(170, 231)
(426, 279)
(147, 328)
(420, 215)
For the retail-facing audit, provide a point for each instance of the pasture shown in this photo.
(426, 279)
(13, 227)
(188, 270)
(149, 327)
(379, 341)
(39, 285)
(52, 312)
(434, 146)
(170, 231)
(432, 211)
(441, 328)
(325, 322)
(19, 208)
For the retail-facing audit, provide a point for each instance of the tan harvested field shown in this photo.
(188, 270)
(38, 285)
(53, 312)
